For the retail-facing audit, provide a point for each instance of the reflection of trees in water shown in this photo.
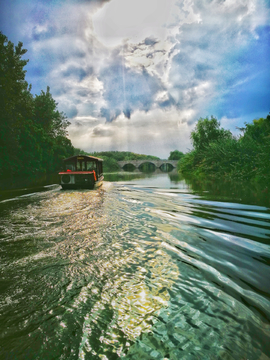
(244, 192)
(127, 176)
(129, 167)
(175, 177)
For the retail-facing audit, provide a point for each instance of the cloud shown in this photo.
(100, 131)
(137, 62)
(77, 72)
(135, 20)
(206, 61)
(40, 33)
(155, 133)
(127, 89)
(70, 110)
(150, 41)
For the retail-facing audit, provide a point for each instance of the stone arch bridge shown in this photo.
(157, 163)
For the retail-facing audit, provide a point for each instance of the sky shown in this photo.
(136, 75)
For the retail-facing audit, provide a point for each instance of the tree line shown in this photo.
(217, 154)
(33, 136)
(111, 158)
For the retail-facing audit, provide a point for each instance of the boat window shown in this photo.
(90, 165)
(70, 166)
(80, 165)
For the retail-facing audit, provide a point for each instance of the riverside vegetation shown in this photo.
(33, 136)
(218, 154)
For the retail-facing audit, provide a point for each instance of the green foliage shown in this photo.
(15, 101)
(78, 151)
(246, 158)
(33, 137)
(48, 117)
(124, 155)
(52, 124)
(207, 131)
(110, 164)
(175, 155)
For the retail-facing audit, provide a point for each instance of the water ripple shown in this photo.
(133, 272)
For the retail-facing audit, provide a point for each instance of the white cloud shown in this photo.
(156, 132)
(160, 62)
(133, 20)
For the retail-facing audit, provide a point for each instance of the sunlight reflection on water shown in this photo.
(134, 272)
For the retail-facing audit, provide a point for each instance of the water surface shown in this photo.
(141, 269)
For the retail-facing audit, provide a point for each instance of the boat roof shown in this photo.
(85, 156)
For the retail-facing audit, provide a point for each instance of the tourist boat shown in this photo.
(81, 172)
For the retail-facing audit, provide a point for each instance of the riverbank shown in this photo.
(16, 187)
(217, 154)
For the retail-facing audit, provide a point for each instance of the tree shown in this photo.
(256, 145)
(258, 130)
(175, 155)
(78, 151)
(53, 124)
(16, 104)
(207, 131)
(33, 135)
(50, 119)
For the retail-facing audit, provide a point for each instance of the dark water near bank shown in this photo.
(141, 268)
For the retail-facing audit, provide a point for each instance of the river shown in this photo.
(141, 268)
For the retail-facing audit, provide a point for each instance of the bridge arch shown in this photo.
(166, 167)
(147, 165)
(129, 167)
(156, 163)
